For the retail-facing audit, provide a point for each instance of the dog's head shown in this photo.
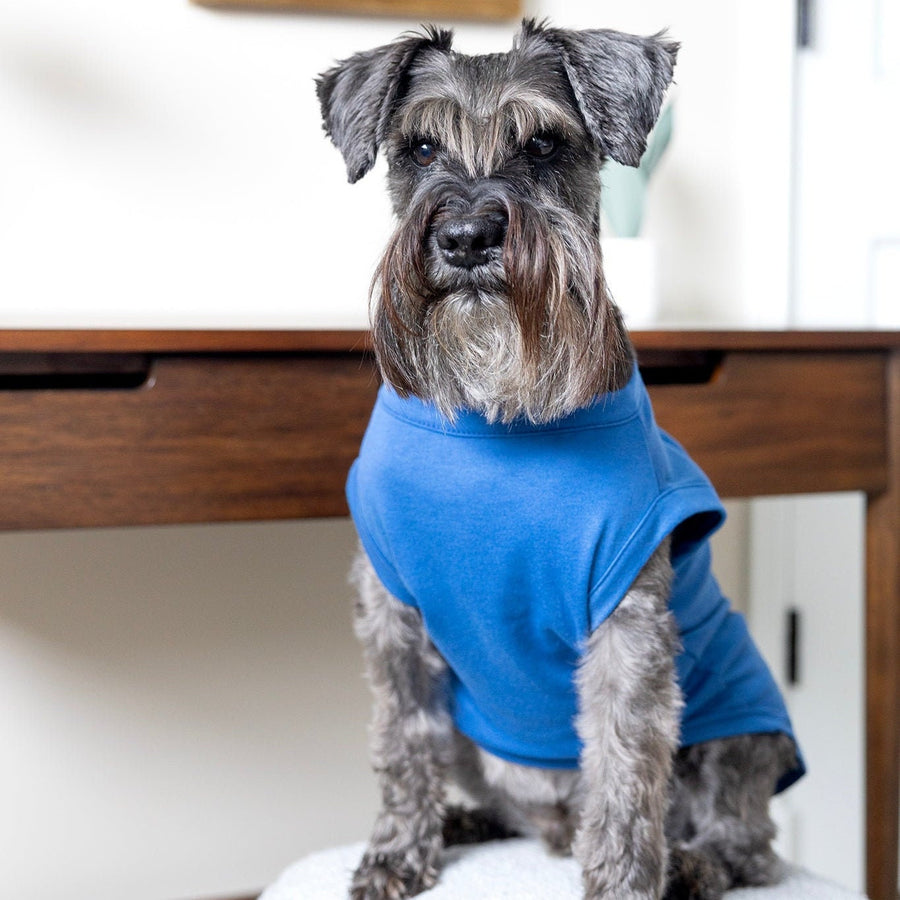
(490, 294)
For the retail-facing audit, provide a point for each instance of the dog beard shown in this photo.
(531, 333)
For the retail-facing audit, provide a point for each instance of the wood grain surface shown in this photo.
(883, 659)
(112, 340)
(205, 439)
(783, 423)
(113, 428)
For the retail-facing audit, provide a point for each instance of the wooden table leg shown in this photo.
(883, 663)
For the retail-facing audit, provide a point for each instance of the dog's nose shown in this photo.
(467, 241)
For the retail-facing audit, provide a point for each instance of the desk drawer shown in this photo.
(200, 439)
(784, 423)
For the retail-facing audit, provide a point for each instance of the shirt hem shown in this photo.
(534, 762)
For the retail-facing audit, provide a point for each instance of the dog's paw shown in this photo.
(392, 876)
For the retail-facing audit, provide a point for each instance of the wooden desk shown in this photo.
(126, 428)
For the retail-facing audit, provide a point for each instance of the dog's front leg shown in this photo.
(628, 722)
(411, 732)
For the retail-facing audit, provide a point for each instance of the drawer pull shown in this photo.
(660, 367)
(74, 371)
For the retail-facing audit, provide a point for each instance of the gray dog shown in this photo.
(540, 623)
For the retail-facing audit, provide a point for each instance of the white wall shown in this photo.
(161, 733)
(182, 712)
(163, 164)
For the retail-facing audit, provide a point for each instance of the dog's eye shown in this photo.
(423, 153)
(541, 146)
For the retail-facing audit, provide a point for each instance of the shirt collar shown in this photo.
(606, 410)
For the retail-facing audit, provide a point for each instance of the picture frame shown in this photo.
(482, 10)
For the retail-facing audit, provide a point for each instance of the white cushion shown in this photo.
(504, 870)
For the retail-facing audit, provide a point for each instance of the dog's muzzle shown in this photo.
(469, 241)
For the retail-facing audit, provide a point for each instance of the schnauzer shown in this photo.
(540, 622)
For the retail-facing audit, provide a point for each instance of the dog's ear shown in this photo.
(359, 95)
(618, 79)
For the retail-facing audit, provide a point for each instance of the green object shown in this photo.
(624, 193)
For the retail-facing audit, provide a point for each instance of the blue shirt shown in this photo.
(515, 541)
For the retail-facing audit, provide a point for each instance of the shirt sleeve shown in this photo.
(372, 539)
(689, 513)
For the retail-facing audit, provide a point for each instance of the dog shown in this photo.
(535, 602)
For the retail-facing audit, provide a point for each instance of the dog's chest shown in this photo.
(480, 521)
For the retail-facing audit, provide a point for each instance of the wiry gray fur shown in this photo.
(629, 743)
(491, 296)
(411, 739)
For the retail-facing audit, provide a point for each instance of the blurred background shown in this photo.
(183, 711)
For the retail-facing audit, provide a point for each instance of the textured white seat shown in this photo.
(503, 870)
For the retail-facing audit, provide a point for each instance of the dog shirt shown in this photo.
(515, 541)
